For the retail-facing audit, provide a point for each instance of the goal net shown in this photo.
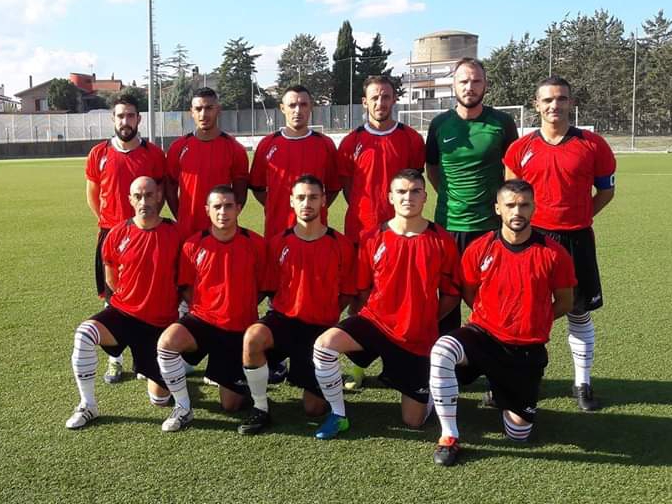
(420, 119)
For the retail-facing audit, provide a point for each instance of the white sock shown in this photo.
(446, 354)
(119, 359)
(581, 340)
(513, 431)
(85, 361)
(257, 381)
(328, 375)
(182, 309)
(159, 400)
(172, 372)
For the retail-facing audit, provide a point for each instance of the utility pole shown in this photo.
(634, 90)
(350, 109)
(150, 87)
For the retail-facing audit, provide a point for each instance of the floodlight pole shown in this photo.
(350, 110)
(550, 54)
(252, 102)
(634, 89)
(150, 110)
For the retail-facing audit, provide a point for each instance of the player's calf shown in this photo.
(516, 428)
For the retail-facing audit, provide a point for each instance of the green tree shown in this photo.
(178, 64)
(63, 95)
(373, 61)
(235, 73)
(346, 50)
(654, 95)
(178, 96)
(305, 61)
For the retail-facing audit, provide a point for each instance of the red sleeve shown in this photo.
(512, 157)
(605, 162)
(364, 271)
(563, 271)
(159, 164)
(258, 170)
(346, 165)
(347, 283)
(450, 268)
(261, 265)
(272, 267)
(109, 251)
(186, 271)
(241, 163)
(470, 268)
(332, 182)
(417, 151)
(92, 170)
(173, 159)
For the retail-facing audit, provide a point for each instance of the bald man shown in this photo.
(140, 258)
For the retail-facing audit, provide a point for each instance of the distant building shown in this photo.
(34, 99)
(7, 104)
(430, 75)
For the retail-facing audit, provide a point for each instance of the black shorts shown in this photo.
(453, 320)
(581, 246)
(102, 288)
(402, 370)
(139, 336)
(514, 371)
(224, 350)
(294, 338)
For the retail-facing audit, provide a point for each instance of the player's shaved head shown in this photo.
(146, 183)
(222, 189)
(516, 186)
(409, 174)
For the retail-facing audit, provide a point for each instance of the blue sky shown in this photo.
(50, 38)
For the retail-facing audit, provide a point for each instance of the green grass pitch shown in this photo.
(622, 453)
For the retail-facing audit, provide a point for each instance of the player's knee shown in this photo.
(158, 399)
(231, 401)
(87, 333)
(330, 339)
(413, 419)
(172, 338)
(447, 349)
(516, 428)
(313, 405)
(257, 339)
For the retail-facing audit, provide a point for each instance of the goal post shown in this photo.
(421, 119)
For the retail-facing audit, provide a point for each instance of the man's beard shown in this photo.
(472, 104)
(124, 136)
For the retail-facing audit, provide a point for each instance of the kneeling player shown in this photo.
(410, 267)
(311, 273)
(221, 271)
(140, 257)
(517, 282)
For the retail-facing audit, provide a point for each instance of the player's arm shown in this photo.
(170, 187)
(446, 304)
(346, 182)
(433, 174)
(93, 197)
(509, 174)
(469, 294)
(601, 199)
(111, 277)
(239, 187)
(359, 300)
(331, 197)
(563, 301)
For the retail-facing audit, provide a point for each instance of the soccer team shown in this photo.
(512, 238)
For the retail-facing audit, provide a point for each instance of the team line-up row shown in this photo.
(399, 275)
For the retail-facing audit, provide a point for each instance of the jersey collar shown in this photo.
(373, 131)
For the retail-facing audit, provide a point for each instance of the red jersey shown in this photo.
(278, 161)
(226, 277)
(146, 261)
(197, 166)
(114, 171)
(563, 176)
(308, 276)
(514, 300)
(371, 159)
(406, 274)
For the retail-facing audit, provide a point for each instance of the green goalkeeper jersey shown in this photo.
(469, 154)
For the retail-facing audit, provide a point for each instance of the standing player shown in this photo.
(368, 159)
(110, 168)
(563, 164)
(408, 272)
(140, 257)
(517, 281)
(285, 155)
(201, 160)
(311, 273)
(221, 272)
(465, 147)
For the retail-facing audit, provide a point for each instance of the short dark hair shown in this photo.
(381, 80)
(222, 189)
(297, 88)
(410, 174)
(205, 92)
(309, 179)
(470, 62)
(126, 99)
(553, 80)
(516, 186)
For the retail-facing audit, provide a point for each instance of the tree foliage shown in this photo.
(373, 61)
(235, 74)
(63, 95)
(138, 93)
(178, 64)
(346, 50)
(178, 96)
(305, 61)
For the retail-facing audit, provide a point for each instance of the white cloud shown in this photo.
(372, 8)
(31, 12)
(18, 61)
